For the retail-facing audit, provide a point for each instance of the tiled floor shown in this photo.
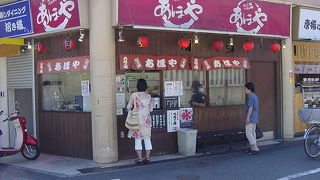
(68, 166)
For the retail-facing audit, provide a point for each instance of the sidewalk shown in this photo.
(68, 166)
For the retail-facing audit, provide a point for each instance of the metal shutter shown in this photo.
(19, 71)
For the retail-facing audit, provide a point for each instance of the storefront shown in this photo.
(306, 58)
(17, 80)
(62, 70)
(230, 51)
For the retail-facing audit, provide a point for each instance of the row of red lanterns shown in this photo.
(67, 44)
(143, 41)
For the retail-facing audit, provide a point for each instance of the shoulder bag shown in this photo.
(132, 121)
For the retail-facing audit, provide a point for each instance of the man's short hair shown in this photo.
(249, 86)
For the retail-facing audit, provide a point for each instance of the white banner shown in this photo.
(309, 24)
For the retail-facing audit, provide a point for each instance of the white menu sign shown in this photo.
(173, 120)
(309, 24)
(173, 88)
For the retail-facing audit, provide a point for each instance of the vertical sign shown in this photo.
(15, 19)
(158, 121)
(173, 120)
(186, 117)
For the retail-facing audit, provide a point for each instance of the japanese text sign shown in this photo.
(173, 120)
(146, 62)
(71, 64)
(309, 24)
(54, 15)
(158, 121)
(245, 16)
(15, 19)
(186, 117)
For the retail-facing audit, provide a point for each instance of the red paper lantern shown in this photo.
(69, 44)
(275, 47)
(248, 46)
(40, 47)
(184, 43)
(217, 45)
(143, 41)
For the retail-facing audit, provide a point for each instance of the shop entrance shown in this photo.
(264, 76)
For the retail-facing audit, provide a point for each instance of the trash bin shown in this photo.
(187, 139)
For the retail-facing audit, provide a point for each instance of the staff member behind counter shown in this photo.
(198, 98)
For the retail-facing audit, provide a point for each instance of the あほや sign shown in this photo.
(71, 64)
(146, 62)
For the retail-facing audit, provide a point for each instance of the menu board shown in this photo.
(158, 121)
(173, 120)
(171, 102)
(173, 88)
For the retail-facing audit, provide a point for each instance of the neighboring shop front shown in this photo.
(17, 80)
(232, 49)
(306, 58)
(62, 76)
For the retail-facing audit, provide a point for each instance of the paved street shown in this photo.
(286, 161)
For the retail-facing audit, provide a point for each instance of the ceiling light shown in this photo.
(81, 35)
(29, 44)
(196, 39)
(120, 38)
(231, 42)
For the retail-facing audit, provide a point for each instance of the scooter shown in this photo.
(24, 143)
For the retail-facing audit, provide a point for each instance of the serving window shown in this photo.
(225, 86)
(68, 91)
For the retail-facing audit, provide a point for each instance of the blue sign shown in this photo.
(15, 19)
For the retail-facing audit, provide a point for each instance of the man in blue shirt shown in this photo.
(252, 117)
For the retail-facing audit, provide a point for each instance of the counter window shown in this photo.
(226, 87)
(187, 76)
(66, 91)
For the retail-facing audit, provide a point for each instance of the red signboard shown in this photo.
(54, 15)
(146, 62)
(245, 16)
(71, 64)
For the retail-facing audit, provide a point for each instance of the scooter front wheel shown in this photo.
(30, 152)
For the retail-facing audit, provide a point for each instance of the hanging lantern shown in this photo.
(248, 46)
(184, 43)
(217, 45)
(68, 43)
(275, 47)
(40, 47)
(143, 41)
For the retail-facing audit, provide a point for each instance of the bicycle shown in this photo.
(312, 141)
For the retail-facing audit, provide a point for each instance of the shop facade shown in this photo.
(160, 62)
(306, 49)
(17, 79)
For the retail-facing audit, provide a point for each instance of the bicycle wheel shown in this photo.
(312, 142)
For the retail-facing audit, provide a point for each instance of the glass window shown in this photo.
(226, 87)
(62, 92)
(187, 76)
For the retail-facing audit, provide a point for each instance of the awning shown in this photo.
(12, 41)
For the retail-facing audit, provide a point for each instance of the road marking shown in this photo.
(305, 173)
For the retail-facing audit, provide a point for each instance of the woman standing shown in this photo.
(143, 102)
